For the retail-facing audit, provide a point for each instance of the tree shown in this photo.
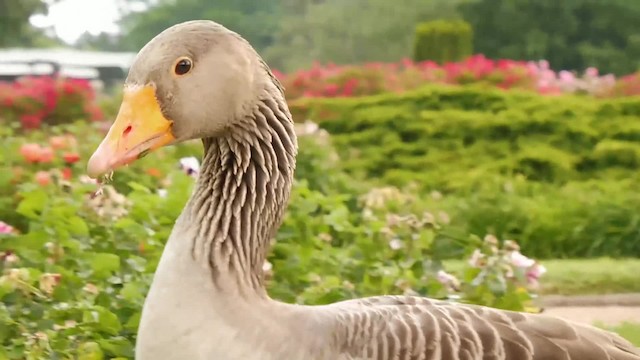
(15, 29)
(101, 42)
(571, 34)
(256, 20)
(352, 31)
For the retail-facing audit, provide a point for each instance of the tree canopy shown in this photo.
(291, 34)
(571, 34)
(15, 29)
(294, 33)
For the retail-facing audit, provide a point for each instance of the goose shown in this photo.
(200, 80)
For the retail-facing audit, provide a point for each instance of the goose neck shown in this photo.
(241, 195)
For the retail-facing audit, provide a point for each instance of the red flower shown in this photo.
(67, 173)
(30, 121)
(154, 172)
(331, 89)
(71, 158)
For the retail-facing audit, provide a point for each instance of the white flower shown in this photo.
(190, 165)
(395, 244)
(447, 279)
(477, 259)
(162, 193)
(266, 266)
(87, 180)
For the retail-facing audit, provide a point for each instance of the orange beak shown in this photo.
(139, 128)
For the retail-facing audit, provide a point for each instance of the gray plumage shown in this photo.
(207, 299)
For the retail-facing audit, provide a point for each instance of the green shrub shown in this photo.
(75, 269)
(557, 173)
(443, 41)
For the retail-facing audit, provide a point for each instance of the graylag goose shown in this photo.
(199, 80)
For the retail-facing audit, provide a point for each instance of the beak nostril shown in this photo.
(126, 131)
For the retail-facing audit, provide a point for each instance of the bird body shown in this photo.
(199, 80)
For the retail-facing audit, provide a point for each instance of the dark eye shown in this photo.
(183, 66)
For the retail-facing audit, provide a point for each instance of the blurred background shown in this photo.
(481, 151)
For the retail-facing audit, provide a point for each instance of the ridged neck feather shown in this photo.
(242, 193)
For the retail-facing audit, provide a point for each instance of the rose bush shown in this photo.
(31, 102)
(373, 78)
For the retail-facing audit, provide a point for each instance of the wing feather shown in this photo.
(414, 328)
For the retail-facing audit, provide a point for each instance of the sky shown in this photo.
(71, 18)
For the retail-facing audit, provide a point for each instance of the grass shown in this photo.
(629, 331)
(583, 276)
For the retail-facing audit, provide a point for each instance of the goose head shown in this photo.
(193, 80)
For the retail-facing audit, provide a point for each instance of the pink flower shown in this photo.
(521, 261)
(46, 155)
(534, 273)
(6, 228)
(31, 152)
(43, 178)
(591, 72)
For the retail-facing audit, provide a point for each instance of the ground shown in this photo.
(610, 309)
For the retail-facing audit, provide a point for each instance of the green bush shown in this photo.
(557, 173)
(443, 41)
(75, 271)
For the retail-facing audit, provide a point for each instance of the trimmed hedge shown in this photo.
(443, 41)
(560, 174)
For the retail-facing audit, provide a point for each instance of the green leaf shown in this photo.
(103, 264)
(78, 226)
(138, 187)
(133, 322)
(33, 204)
(118, 346)
(131, 292)
(103, 319)
(90, 351)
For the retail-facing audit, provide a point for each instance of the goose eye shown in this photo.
(183, 66)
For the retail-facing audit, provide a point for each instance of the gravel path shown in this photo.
(608, 315)
(607, 309)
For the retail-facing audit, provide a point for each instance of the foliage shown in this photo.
(580, 276)
(15, 29)
(572, 34)
(512, 163)
(77, 265)
(328, 31)
(443, 41)
(30, 102)
(629, 330)
(256, 20)
(292, 34)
